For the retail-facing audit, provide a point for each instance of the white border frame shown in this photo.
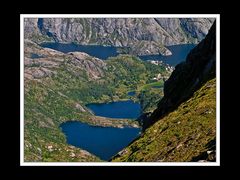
(22, 163)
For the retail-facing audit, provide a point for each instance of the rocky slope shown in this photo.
(48, 61)
(183, 127)
(188, 76)
(142, 35)
(57, 85)
(186, 134)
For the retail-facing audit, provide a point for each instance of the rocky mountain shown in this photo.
(57, 86)
(140, 36)
(183, 127)
(51, 59)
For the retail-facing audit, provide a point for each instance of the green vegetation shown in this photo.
(58, 86)
(53, 99)
(185, 134)
(129, 73)
(150, 98)
(157, 84)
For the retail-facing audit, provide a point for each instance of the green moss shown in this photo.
(182, 134)
(157, 84)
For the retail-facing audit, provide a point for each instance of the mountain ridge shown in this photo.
(143, 36)
(58, 86)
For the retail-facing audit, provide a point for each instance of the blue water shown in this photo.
(131, 93)
(104, 142)
(158, 87)
(121, 109)
(101, 52)
(35, 56)
(179, 52)
(40, 23)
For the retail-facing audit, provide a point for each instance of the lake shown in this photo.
(131, 93)
(157, 87)
(179, 52)
(101, 52)
(121, 109)
(35, 56)
(103, 142)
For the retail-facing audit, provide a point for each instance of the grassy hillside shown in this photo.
(186, 134)
(57, 87)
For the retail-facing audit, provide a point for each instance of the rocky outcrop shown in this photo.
(189, 76)
(136, 33)
(30, 27)
(50, 60)
(196, 27)
(185, 29)
(94, 67)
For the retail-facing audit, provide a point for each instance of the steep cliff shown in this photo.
(58, 85)
(188, 76)
(142, 35)
(183, 127)
(186, 134)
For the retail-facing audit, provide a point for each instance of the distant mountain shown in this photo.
(142, 36)
(183, 127)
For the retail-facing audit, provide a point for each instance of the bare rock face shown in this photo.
(183, 30)
(93, 66)
(79, 107)
(30, 27)
(197, 27)
(49, 61)
(149, 48)
(152, 33)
